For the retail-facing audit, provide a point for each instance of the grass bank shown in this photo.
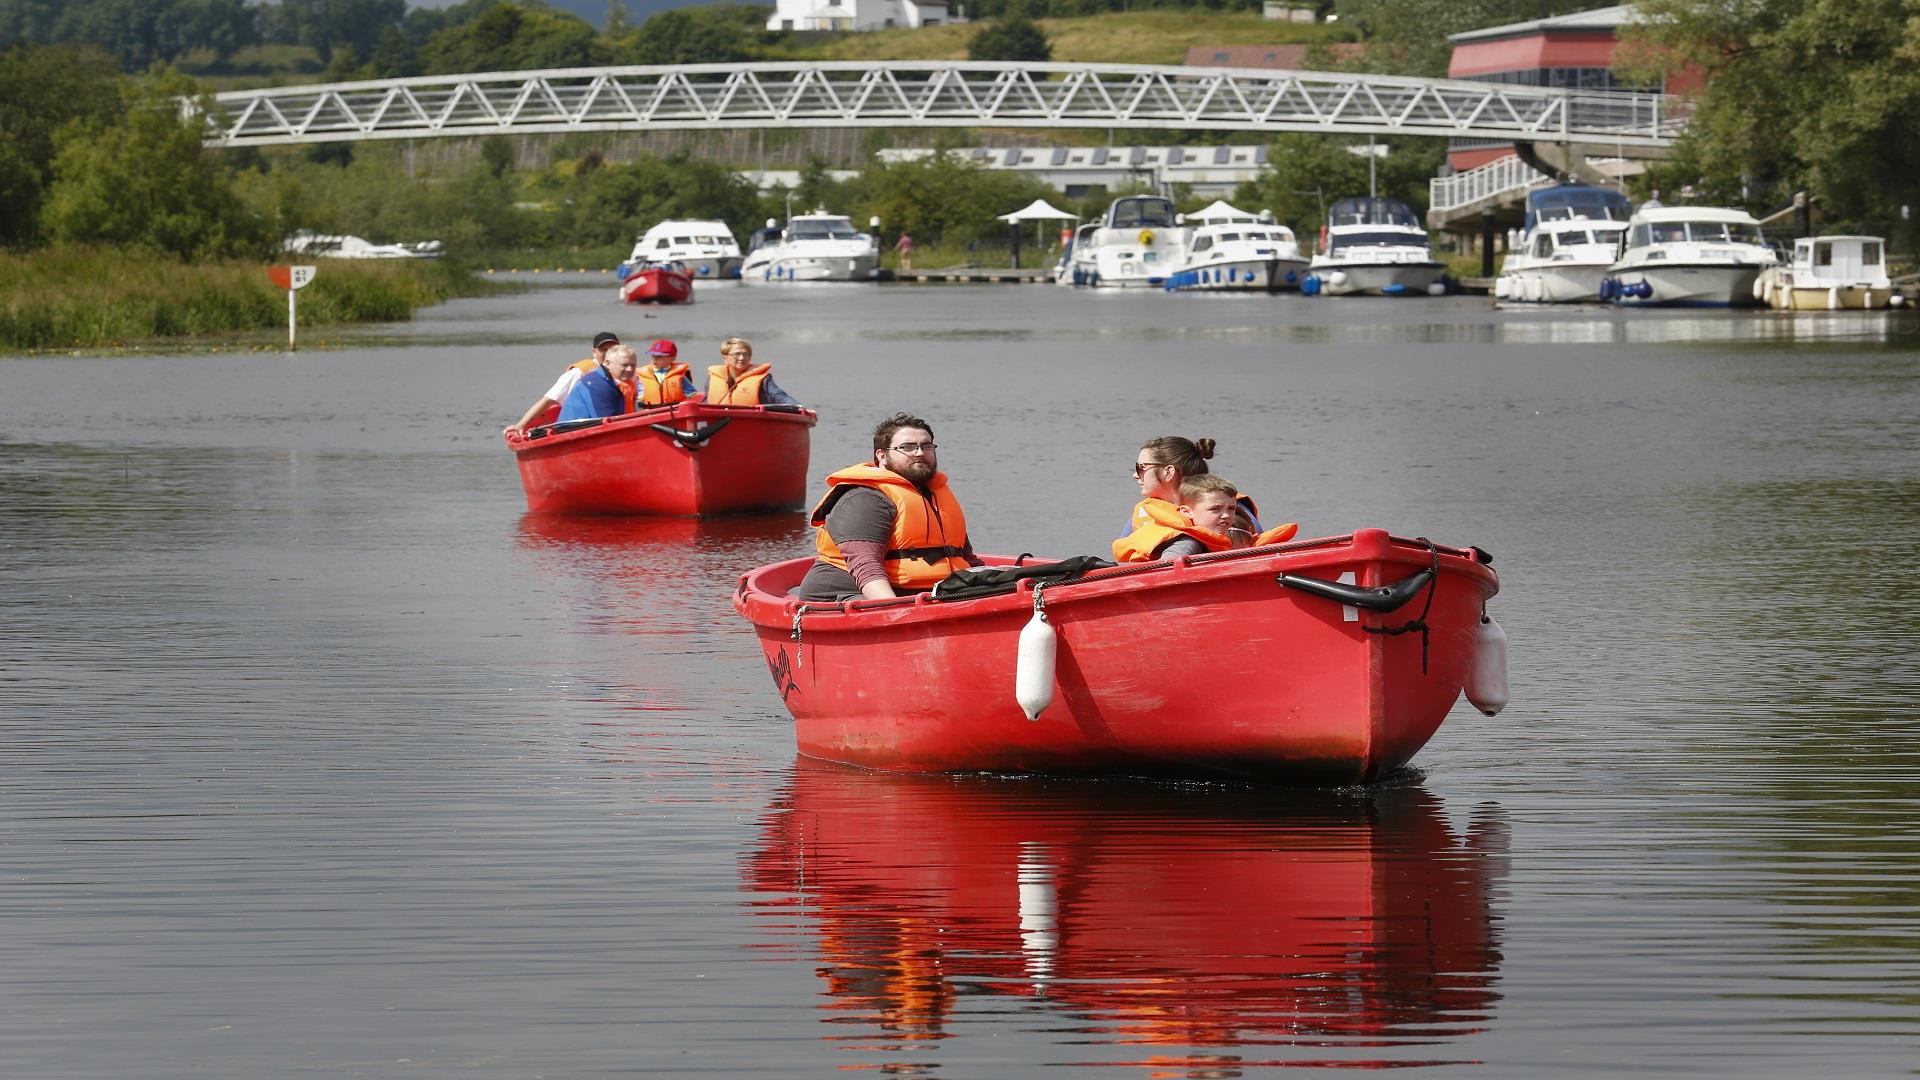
(1137, 37)
(91, 298)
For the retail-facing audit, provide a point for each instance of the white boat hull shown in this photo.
(782, 269)
(1699, 285)
(1241, 275)
(1551, 284)
(1375, 279)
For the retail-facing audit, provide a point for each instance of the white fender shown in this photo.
(1033, 666)
(1501, 288)
(1438, 288)
(1833, 298)
(1487, 678)
(1338, 277)
(1763, 287)
(1896, 299)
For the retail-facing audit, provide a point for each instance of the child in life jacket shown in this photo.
(1207, 519)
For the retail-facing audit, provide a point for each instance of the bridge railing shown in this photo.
(928, 94)
(1496, 177)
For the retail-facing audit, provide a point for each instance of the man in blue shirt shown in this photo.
(607, 390)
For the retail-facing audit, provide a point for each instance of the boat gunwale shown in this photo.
(925, 608)
(646, 418)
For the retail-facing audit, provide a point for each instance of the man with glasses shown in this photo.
(888, 527)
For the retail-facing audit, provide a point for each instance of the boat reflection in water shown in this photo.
(1176, 926)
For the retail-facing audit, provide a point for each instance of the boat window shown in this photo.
(1642, 236)
(704, 240)
(1142, 214)
(1203, 243)
(1823, 254)
(683, 240)
(664, 243)
(1870, 253)
(1542, 245)
(1379, 239)
(821, 229)
(1224, 237)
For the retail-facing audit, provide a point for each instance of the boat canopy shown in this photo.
(1372, 212)
(1223, 213)
(821, 228)
(1140, 212)
(1568, 202)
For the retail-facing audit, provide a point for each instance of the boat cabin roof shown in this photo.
(1658, 214)
(1374, 212)
(687, 225)
(1574, 201)
(1140, 212)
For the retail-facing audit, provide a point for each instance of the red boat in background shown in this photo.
(689, 458)
(1326, 661)
(1347, 931)
(660, 283)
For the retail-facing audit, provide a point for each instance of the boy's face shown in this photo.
(1212, 511)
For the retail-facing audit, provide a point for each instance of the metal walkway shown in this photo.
(934, 94)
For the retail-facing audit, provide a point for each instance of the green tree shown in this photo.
(1306, 173)
(512, 37)
(1816, 94)
(612, 204)
(692, 35)
(941, 197)
(144, 180)
(45, 89)
(326, 24)
(1013, 38)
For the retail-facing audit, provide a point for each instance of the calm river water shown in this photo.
(319, 756)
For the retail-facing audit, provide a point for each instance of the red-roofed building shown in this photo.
(1280, 57)
(1571, 51)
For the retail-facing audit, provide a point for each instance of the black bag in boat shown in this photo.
(978, 581)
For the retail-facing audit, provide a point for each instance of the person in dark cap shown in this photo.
(569, 378)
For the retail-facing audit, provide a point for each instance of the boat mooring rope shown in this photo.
(1419, 623)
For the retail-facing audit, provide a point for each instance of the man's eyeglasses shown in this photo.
(914, 448)
(1140, 467)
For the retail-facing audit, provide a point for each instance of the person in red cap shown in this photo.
(666, 380)
(552, 399)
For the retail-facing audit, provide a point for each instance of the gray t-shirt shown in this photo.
(860, 515)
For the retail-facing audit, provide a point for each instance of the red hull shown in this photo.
(1243, 918)
(657, 286)
(689, 458)
(1198, 667)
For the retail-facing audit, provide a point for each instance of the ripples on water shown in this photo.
(319, 755)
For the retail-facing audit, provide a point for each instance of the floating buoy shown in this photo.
(1487, 678)
(1034, 662)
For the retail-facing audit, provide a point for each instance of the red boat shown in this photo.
(1320, 661)
(690, 458)
(1352, 931)
(657, 284)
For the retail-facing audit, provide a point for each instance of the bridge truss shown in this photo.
(933, 94)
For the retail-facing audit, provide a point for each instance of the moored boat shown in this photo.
(1688, 256)
(656, 283)
(1571, 237)
(1235, 251)
(813, 247)
(1254, 664)
(1137, 244)
(1373, 246)
(1830, 273)
(689, 458)
(706, 249)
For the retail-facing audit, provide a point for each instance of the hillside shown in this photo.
(1137, 37)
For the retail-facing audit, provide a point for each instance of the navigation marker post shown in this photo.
(292, 279)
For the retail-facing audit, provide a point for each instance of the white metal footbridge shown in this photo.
(923, 94)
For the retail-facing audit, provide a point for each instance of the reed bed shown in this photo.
(78, 299)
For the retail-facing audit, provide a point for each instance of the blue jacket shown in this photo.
(595, 395)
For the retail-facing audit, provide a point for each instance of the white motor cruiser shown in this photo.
(1571, 238)
(813, 247)
(1231, 249)
(352, 247)
(1373, 246)
(1689, 256)
(1829, 273)
(1137, 244)
(706, 249)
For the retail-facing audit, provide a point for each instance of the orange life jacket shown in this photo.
(724, 389)
(1165, 523)
(929, 539)
(663, 388)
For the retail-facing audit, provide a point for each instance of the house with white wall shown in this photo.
(860, 14)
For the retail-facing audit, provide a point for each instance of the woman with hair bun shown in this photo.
(1159, 467)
